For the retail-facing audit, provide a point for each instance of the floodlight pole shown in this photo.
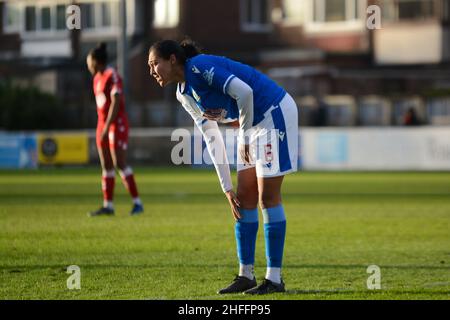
(122, 47)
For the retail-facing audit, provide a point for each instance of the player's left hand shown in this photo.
(234, 204)
(214, 114)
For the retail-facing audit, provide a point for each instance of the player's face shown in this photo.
(161, 69)
(91, 65)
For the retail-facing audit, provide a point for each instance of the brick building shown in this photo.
(322, 51)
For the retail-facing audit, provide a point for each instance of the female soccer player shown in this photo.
(112, 131)
(216, 89)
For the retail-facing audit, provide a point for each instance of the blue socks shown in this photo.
(246, 230)
(275, 233)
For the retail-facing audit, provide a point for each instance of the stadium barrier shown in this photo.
(18, 150)
(63, 148)
(386, 148)
(326, 148)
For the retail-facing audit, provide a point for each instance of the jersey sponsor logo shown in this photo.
(100, 99)
(209, 75)
(195, 70)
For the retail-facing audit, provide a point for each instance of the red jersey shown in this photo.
(107, 84)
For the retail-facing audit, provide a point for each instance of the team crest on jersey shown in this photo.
(268, 155)
(209, 75)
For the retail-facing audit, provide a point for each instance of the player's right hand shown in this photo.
(244, 152)
(234, 204)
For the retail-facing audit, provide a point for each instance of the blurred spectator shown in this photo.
(410, 118)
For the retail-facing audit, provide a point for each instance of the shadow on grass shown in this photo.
(359, 266)
(21, 268)
(365, 293)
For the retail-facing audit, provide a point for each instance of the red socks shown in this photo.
(108, 181)
(129, 183)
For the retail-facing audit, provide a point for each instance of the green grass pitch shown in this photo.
(183, 246)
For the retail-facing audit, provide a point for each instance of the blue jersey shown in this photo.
(207, 78)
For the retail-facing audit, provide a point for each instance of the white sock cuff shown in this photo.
(126, 172)
(274, 274)
(108, 204)
(108, 174)
(246, 270)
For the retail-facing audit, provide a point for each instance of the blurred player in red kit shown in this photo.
(112, 131)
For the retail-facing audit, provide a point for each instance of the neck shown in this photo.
(101, 69)
(179, 75)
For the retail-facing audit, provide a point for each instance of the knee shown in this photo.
(107, 166)
(120, 165)
(247, 198)
(269, 199)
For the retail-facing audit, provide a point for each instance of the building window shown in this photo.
(293, 11)
(46, 18)
(30, 18)
(415, 9)
(335, 10)
(438, 111)
(60, 17)
(107, 13)
(12, 20)
(255, 15)
(409, 9)
(166, 13)
(446, 11)
(87, 16)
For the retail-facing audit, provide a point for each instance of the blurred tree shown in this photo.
(29, 109)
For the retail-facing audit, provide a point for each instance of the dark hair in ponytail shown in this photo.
(191, 49)
(184, 50)
(99, 53)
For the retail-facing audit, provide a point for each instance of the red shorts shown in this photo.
(117, 135)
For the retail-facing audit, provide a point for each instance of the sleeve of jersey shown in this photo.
(216, 77)
(116, 84)
(217, 151)
(243, 94)
(214, 141)
(190, 106)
